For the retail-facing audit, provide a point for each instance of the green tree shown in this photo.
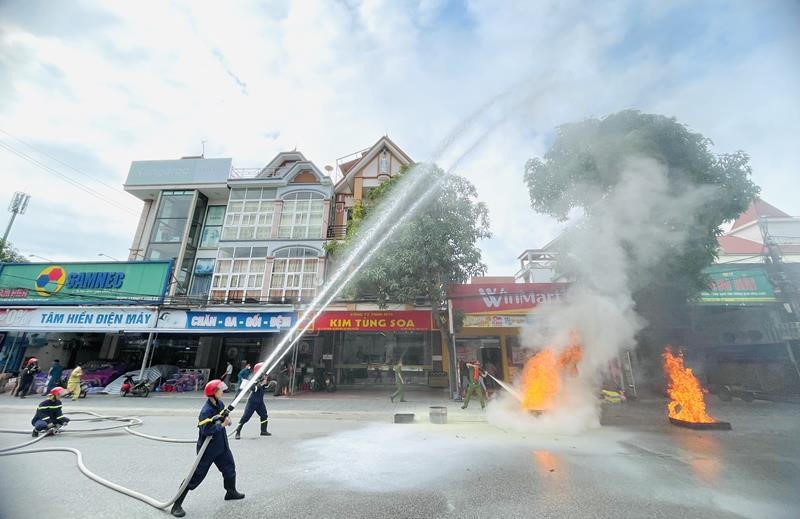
(592, 153)
(8, 254)
(436, 247)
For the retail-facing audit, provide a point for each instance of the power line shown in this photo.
(39, 150)
(73, 182)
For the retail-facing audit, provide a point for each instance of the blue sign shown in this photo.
(240, 321)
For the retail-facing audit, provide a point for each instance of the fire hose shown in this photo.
(131, 421)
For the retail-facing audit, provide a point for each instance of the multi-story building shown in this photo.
(247, 253)
(252, 238)
(236, 235)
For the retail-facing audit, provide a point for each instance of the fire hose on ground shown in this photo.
(130, 422)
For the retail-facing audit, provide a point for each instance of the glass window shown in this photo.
(171, 219)
(294, 274)
(162, 251)
(250, 217)
(301, 216)
(245, 271)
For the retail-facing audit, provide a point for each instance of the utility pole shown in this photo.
(18, 205)
(780, 278)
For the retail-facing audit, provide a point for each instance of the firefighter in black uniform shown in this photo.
(255, 404)
(48, 414)
(212, 423)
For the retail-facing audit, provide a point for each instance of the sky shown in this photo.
(87, 87)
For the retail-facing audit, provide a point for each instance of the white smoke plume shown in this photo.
(621, 234)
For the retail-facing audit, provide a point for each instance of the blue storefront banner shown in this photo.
(240, 321)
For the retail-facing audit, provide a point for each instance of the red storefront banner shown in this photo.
(375, 321)
(504, 298)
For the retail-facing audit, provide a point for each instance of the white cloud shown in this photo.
(150, 80)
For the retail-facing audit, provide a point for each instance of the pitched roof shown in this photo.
(366, 156)
(757, 209)
(736, 245)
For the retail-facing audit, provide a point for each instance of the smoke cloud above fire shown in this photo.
(603, 254)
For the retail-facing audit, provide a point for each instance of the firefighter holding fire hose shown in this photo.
(212, 422)
(48, 415)
(474, 375)
(255, 404)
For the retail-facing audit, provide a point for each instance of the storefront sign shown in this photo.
(78, 318)
(15, 317)
(375, 321)
(235, 321)
(225, 321)
(737, 285)
(504, 298)
(117, 283)
(496, 321)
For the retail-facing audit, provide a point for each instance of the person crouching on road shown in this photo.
(48, 414)
(255, 404)
(211, 423)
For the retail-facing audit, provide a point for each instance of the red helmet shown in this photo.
(213, 385)
(57, 391)
(257, 367)
(32, 360)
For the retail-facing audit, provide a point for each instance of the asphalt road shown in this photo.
(349, 465)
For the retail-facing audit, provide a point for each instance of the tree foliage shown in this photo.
(437, 246)
(592, 153)
(8, 254)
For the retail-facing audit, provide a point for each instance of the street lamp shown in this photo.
(40, 257)
(18, 205)
(107, 256)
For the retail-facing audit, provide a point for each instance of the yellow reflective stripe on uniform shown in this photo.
(203, 422)
(50, 407)
(265, 421)
(45, 418)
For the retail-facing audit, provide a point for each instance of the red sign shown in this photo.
(504, 298)
(375, 321)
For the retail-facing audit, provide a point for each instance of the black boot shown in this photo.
(35, 433)
(230, 486)
(238, 432)
(177, 510)
(264, 431)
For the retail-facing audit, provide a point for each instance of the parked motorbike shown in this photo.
(134, 387)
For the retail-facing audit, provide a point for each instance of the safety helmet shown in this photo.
(57, 391)
(32, 360)
(257, 367)
(213, 385)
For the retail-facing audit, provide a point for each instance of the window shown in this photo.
(384, 163)
(239, 274)
(201, 281)
(250, 214)
(301, 216)
(169, 225)
(173, 212)
(294, 274)
(215, 217)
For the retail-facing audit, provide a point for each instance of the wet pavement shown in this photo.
(342, 457)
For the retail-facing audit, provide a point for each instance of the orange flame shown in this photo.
(541, 377)
(687, 402)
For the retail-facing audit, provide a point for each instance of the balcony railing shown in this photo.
(336, 232)
(245, 173)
